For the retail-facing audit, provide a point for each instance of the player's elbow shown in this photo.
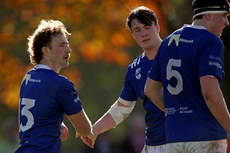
(210, 94)
(206, 94)
(209, 87)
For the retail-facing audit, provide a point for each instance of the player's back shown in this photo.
(183, 61)
(40, 114)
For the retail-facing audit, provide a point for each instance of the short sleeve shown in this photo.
(211, 58)
(128, 93)
(68, 98)
(155, 73)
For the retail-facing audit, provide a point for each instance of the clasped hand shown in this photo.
(89, 139)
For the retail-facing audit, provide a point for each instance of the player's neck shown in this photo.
(202, 22)
(49, 64)
(150, 53)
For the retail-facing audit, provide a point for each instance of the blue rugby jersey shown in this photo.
(186, 55)
(134, 84)
(45, 97)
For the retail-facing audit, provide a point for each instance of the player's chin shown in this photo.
(66, 64)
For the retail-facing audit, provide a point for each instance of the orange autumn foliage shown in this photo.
(98, 32)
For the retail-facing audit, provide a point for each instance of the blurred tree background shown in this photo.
(102, 49)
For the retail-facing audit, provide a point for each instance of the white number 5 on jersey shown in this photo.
(28, 103)
(173, 73)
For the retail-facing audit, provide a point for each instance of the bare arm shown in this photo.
(154, 91)
(81, 123)
(105, 123)
(215, 100)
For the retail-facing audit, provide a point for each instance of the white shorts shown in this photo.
(154, 149)
(218, 146)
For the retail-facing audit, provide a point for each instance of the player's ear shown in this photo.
(158, 28)
(45, 50)
(208, 16)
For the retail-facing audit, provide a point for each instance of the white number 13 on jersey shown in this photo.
(173, 73)
(28, 103)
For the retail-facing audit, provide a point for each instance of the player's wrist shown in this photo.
(95, 131)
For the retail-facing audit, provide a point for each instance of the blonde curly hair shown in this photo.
(42, 36)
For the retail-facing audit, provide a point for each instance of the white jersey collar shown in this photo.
(42, 66)
(195, 26)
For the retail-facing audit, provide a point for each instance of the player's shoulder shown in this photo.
(61, 82)
(63, 79)
(200, 32)
(213, 38)
(55, 78)
(192, 34)
(209, 39)
(137, 62)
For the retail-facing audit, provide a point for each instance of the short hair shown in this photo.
(42, 37)
(201, 7)
(143, 14)
(198, 17)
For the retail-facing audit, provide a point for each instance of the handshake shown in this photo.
(88, 139)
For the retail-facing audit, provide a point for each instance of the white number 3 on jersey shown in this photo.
(28, 103)
(173, 73)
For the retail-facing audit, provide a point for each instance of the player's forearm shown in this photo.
(156, 99)
(215, 101)
(104, 124)
(218, 108)
(81, 123)
(86, 129)
(154, 91)
(118, 112)
(159, 99)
